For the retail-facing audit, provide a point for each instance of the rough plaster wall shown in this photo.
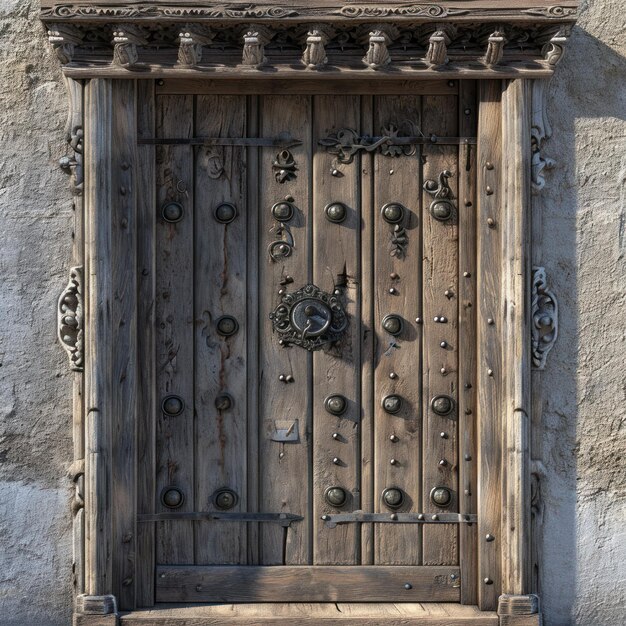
(584, 230)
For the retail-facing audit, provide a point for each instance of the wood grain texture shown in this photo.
(396, 180)
(467, 306)
(516, 340)
(98, 338)
(146, 404)
(220, 362)
(440, 300)
(336, 265)
(284, 468)
(175, 325)
(306, 584)
(123, 307)
(489, 356)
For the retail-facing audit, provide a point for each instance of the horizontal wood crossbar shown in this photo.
(192, 583)
(284, 519)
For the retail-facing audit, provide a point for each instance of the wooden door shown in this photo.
(311, 430)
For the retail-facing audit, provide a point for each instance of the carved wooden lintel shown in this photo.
(429, 38)
(545, 318)
(70, 318)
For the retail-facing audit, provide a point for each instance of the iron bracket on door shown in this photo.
(359, 517)
(284, 519)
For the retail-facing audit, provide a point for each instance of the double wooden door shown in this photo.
(312, 435)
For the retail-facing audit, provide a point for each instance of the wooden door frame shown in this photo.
(104, 300)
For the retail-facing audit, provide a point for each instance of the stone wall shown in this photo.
(582, 211)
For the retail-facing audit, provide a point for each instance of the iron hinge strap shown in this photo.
(359, 517)
(284, 519)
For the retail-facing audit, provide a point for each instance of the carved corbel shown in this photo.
(64, 38)
(379, 37)
(540, 132)
(190, 41)
(495, 47)
(438, 42)
(126, 38)
(70, 318)
(554, 49)
(317, 38)
(72, 163)
(254, 41)
(545, 318)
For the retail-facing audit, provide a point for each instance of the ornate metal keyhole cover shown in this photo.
(309, 318)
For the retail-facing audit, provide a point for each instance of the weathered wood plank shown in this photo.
(489, 355)
(219, 362)
(317, 86)
(98, 338)
(397, 286)
(336, 370)
(284, 467)
(467, 305)
(368, 220)
(306, 584)
(146, 403)
(123, 374)
(440, 312)
(174, 325)
(516, 341)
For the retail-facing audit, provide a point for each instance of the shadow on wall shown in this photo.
(579, 236)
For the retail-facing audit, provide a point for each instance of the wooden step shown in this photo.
(346, 614)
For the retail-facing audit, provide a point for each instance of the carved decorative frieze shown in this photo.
(545, 318)
(414, 38)
(540, 131)
(70, 318)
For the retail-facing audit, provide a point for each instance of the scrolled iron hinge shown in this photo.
(70, 318)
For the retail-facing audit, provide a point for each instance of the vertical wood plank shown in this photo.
(336, 369)
(146, 404)
(123, 374)
(98, 338)
(489, 357)
(220, 362)
(368, 335)
(516, 336)
(284, 467)
(467, 305)
(252, 323)
(440, 298)
(174, 325)
(398, 436)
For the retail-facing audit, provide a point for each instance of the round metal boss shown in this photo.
(172, 497)
(336, 496)
(442, 405)
(227, 325)
(225, 213)
(393, 497)
(392, 404)
(172, 405)
(336, 212)
(441, 210)
(172, 212)
(392, 324)
(282, 211)
(223, 402)
(393, 213)
(225, 499)
(336, 404)
(441, 496)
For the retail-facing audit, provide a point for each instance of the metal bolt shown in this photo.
(436, 318)
(447, 293)
(281, 455)
(443, 371)
(443, 435)
(391, 172)
(335, 436)
(394, 462)
(489, 372)
(468, 385)
(160, 82)
(490, 321)
(393, 516)
(408, 586)
(289, 378)
(418, 320)
(489, 165)
(468, 457)
(443, 463)
(488, 581)
(467, 111)
(420, 516)
(453, 576)
(444, 344)
(393, 438)
(489, 537)
(281, 292)
(491, 222)
(281, 378)
(393, 375)
(434, 517)
(450, 83)
(337, 292)
(325, 518)
(467, 492)
(336, 461)
(468, 411)
(392, 291)
(489, 190)
(393, 276)
(335, 172)
(466, 274)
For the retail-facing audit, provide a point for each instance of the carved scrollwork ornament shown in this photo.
(554, 49)
(63, 38)
(379, 38)
(545, 318)
(495, 47)
(317, 39)
(442, 207)
(540, 132)
(438, 42)
(70, 325)
(191, 40)
(254, 41)
(309, 318)
(126, 38)
(285, 167)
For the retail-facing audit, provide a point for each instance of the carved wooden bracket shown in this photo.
(70, 318)
(545, 318)
(510, 39)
